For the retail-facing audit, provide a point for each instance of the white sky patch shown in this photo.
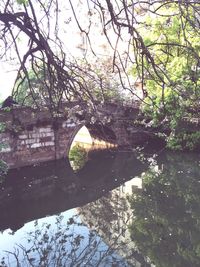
(7, 79)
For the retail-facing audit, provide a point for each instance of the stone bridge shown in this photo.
(31, 135)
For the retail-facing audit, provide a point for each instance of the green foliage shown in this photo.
(26, 95)
(22, 2)
(7, 109)
(172, 78)
(78, 156)
(184, 141)
(38, 89)
(2, 127)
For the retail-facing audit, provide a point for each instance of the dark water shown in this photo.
(121, 209)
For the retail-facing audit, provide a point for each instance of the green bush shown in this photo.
(184, 141)
(78, 155)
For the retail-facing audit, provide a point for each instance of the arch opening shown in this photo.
(82, 138)
(78, 152)
(88, 138)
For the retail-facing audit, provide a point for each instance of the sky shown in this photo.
(7, 78)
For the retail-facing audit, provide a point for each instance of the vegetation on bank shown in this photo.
(78, 156)
(171, 78)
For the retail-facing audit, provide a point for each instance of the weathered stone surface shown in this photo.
(33, 136)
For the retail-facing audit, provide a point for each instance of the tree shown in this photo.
(173, 85)
(173, 32)
(44, 55)
(165, 63)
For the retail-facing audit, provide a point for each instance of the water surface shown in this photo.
(120, 209)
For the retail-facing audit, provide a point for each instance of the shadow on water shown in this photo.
(33, 192)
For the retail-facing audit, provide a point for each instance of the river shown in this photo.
(120, 208)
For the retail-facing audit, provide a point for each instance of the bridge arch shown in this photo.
(72, 136)
(103, 132)
(96, 135)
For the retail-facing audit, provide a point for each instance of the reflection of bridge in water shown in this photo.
(50, 188)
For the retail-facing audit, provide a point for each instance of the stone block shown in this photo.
(23, 136)
(35, 135)
(72, 124)
(49, 134)
(30, 141)
(50, 143)
(45, 129)
(35, 145)
(44, 134)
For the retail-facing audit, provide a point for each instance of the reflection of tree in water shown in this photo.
(63, 244)
(166, 223)
(110, 217)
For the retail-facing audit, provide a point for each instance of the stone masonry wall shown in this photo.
(29, 146)
(32, 136)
